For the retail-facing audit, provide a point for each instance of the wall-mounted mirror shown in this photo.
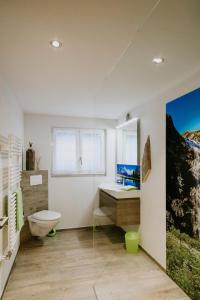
(128, 144)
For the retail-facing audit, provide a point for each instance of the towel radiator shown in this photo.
(10, 168)
(3, 194)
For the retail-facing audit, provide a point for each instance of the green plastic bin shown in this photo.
(132, 242)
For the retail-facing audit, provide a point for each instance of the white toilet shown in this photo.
(42, 222)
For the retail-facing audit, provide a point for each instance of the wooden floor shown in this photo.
(67, 267)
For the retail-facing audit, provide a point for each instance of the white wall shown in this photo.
(11, 122)
(153, 191)
(153, 230)
(74, 197)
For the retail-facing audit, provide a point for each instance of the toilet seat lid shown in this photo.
(46, 215)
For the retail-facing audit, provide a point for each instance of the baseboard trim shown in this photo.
(74, 228)
(157, 263)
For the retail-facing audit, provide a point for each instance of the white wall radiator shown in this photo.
(10, 177)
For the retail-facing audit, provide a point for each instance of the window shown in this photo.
(130, 147)
(78, 151)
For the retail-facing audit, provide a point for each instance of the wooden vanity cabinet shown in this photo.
(121, 211)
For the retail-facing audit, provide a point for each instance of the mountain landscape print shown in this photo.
(128, 175)
(183, 192)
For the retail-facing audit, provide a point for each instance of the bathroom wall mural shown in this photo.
(183, 192)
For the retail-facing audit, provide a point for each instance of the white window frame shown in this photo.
(78, 173)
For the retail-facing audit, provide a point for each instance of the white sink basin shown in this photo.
(116, 190)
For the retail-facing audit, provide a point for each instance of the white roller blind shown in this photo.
(92, 151)
(65, 151)
(78, 151)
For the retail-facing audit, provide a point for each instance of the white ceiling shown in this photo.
(105, 66)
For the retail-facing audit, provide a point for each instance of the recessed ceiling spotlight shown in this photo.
(56, 44)
(158, 60)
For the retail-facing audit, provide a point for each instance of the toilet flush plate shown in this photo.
(35, 180)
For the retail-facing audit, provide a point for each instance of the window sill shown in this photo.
(78, 175)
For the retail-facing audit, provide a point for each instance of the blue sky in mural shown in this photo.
(185, 112)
